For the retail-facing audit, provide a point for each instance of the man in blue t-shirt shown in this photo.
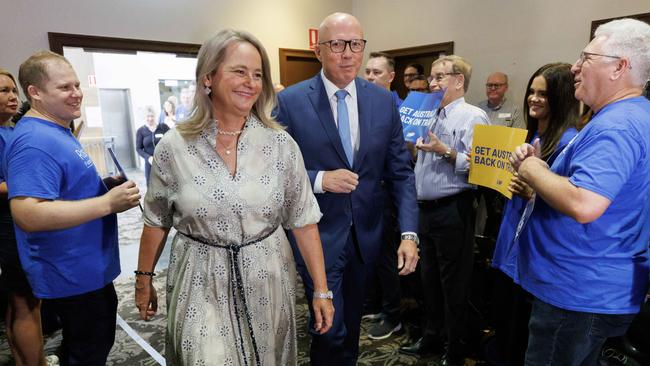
(66, 227)
(585, 258)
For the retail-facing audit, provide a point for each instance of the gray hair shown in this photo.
(458, 65)
(628, 38)
(211, 56)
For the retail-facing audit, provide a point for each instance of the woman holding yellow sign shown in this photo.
(551, 112)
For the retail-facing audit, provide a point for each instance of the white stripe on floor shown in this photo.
(141, 342)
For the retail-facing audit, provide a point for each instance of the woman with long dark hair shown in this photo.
(551, 113)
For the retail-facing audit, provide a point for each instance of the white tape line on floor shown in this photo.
(141, 342)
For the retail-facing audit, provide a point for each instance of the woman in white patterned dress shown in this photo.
(230, 181)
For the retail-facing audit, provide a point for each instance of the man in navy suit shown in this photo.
(350, 135)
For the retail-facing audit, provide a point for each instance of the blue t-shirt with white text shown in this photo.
(44, 160)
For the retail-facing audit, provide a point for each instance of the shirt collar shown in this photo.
(449, 107)
(496, 108)
(331, 89)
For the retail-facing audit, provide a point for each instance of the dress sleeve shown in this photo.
(300, 207)
(158, 210)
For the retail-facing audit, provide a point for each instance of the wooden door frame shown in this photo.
(426, 51)
(446, 47)
(285, 54)
(111, 44)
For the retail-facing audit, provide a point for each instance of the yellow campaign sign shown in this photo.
(491, 149)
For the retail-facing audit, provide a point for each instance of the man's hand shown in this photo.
(407, 257)
(524, 151)
(123, 197)
(340, 181)
(435, 145)
(528, 167)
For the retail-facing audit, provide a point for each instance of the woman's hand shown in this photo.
(323, 314)
(146, 298)
(520, 188)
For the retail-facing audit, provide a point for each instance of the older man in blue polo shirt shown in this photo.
(585, 258)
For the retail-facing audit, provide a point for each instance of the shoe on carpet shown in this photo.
(384, 329)
(373, 317)
(424, 346)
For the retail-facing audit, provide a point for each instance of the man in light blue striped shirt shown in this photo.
(446, 203)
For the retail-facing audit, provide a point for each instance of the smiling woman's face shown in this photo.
(238, 81)
(8, 98)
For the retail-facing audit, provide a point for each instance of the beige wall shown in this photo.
(277, 23)
(515, 36)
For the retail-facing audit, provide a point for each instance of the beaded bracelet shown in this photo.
(144, 273)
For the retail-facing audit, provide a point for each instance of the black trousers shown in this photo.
(446, 251)
(88, 322)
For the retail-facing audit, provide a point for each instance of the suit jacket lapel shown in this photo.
(320, 102)
(364, 105)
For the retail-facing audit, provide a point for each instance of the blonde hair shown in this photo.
(211, 55)
(458, 65)
(8, 74)
(34, 70)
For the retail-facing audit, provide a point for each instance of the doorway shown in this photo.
(116, 114)
(423, 55)
(297, 65)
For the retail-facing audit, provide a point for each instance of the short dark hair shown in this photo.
(419, 77)
(416, 66)
(389, 59)
(563, 106)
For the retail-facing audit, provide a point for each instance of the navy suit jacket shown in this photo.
(305, 111)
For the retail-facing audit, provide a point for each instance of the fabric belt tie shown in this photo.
(237, 286)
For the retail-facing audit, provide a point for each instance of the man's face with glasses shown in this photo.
(591, 73)
(409, 73)
(444, 78)
(495, 88)
(340, 51)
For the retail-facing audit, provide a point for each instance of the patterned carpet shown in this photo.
(127, 352)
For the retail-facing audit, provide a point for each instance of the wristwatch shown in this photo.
(323, 295)
(413, 237)
(447, 154)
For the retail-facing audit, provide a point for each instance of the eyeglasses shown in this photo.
(410, 76)
(439, 77)
(493, 86)
(338, 45)
(584, 56)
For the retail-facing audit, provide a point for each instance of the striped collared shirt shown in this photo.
(436, 177)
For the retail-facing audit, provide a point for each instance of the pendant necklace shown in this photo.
(227, 148)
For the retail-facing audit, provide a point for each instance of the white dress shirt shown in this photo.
(353, 117)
